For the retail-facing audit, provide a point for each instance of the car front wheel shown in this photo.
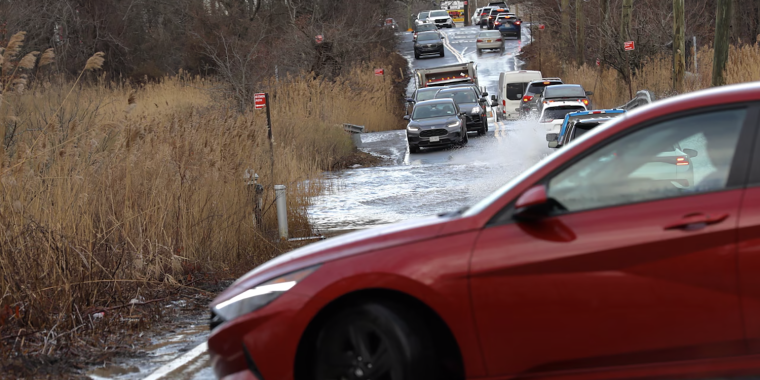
(414, 148)
(375, 341)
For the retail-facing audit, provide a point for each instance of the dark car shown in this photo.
(509, 26)
(533, 93)
(563, 93)
(596, 116)
(468, 101)
(592, 264)
(428, 43)
(428, 27)
(420, 95)
(433, 123)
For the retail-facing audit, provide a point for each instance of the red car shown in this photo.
(593, 264)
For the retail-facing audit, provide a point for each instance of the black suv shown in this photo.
(532, 92)
(468, 102)
(428, 43)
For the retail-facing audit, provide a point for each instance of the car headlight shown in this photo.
(261, 295)
(454, 125)
(409, 127)
(476, 110)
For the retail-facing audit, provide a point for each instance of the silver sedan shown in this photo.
(489, 39)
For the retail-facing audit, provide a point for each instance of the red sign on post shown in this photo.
(318, 38)
(260, 100)
(629, 46)
(541, 27)
(379, 72)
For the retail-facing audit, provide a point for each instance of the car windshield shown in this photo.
(426, 28)
(489, 34)
(558, 112)
(459, 96)
(564, 92)
(485, 12)
(423, 15)
(427, 94)
(582, 128)
(515, 91)
(439, 14)
(429, 111)
(428, 37)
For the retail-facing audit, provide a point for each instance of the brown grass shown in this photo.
(108, 189)
(655, 75)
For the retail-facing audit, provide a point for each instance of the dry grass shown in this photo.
(108, 190)
(655, 75)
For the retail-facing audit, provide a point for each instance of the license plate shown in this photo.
(488, 40)
(434, 139)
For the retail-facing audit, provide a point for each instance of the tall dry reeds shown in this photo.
(655, 75)
(107, 189)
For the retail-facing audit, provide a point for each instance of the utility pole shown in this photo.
(721, 43)
(467, 12)
(580, 33)
(679, 45)
(566, 24)
(625, 33)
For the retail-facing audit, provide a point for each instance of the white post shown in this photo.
(282, 210)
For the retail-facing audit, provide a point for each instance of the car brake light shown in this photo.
(517, 22)
(503, 102)
(585, 101)
(477, 41)
(681, 161)
(498, 39)
(527, 98)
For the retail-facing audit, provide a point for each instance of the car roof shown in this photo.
(613, 111)
(454, 89)
(564, 104)
(541, 81)
(565, 85)
(428, 89)
(435, 101)
(590, 121)
(426, 32)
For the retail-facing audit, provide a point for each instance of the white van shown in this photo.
(510, 92)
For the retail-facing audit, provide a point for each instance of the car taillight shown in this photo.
(681, 161)
(517, 22)
(498, 40)
(527, 98)
(503, 102)
(480, 41)
(585, 101)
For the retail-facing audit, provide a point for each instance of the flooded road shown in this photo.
(432, 182)
(406, 186)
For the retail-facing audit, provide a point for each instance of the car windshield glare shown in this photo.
(428, 37)
(464, 96)
(426, 95)
(439, 14)
(429, 111)
(564, 92)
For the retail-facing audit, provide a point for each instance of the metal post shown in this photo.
(259, 203)
(282, 210)
(271, 139)
(695, 54)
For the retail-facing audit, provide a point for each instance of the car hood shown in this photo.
(434, 122)
(354, 243)
(439, 18)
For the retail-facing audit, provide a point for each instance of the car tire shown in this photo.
(416, 55)
(375, 340)
(443, 52)
(480, 51)
(414, 148)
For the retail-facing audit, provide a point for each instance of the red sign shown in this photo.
(465, 3)
(598, 62)
(629, 46)
(379, 72)
(260, 100)
(319, 38)
(541, 27)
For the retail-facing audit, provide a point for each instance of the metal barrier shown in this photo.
(355, 131)
(642, 98)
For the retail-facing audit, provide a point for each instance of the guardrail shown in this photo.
(642, 98)
(355, 131)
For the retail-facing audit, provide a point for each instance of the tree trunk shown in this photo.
(679, 45)
(721, 43)
(757, 3)
(566, 24)
(625, 23)
(580, 33)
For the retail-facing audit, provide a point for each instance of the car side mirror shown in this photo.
(589, 93)
(409, 100)
(484, 94)
(553, 144)
(407, 117)
(552, 136)
(494, 103)
(493, 97)
(691, 152)
(463, 114)
(532, 205)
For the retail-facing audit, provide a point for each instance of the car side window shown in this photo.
(688, 155)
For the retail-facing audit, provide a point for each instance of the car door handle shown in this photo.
(696, 221)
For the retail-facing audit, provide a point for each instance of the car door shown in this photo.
(625, 270)
(749, 251)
